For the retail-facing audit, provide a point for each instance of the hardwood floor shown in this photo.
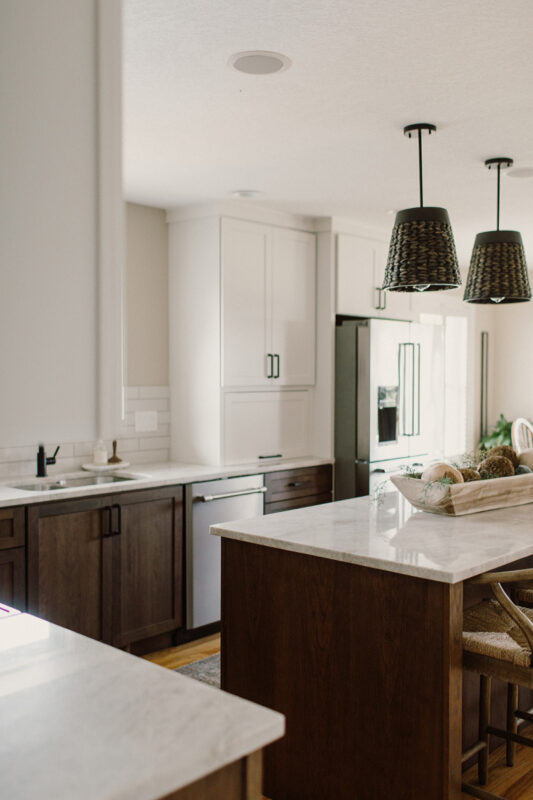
(513, 784)
(174, 657)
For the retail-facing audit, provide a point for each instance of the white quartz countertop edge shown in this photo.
(149, 476)
(395, 537)
(368, 561)
(129, 729)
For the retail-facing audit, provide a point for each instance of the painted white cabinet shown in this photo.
(264, 424)
(360, 271)
(245, 256)
(268, 305)
(239, 290)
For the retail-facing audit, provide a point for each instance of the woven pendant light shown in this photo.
(422, 253)
(498, 269)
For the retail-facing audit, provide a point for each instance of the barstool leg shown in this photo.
(512, 722)
(484, 722)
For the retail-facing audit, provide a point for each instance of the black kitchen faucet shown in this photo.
(43, 460)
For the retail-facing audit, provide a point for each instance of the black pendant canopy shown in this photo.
(498, 269)
(422, 253)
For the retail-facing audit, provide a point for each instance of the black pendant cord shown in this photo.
(420, 182)
(498, 201)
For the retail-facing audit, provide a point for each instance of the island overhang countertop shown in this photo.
(82, 719)
(389, 534)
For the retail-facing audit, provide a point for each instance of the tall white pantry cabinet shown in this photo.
(242, 338)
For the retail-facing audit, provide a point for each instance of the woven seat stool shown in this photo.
(498, 643)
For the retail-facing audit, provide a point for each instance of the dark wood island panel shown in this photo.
(365, 664)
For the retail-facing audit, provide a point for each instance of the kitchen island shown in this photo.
(79, 719)
(347, 617)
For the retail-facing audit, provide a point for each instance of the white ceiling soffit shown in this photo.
(324, 137)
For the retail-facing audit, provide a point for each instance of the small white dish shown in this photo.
(105, 467)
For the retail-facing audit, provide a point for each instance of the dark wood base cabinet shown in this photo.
(238, 781)
(365, 664)
(297, 488)
(13, 557)
(109, 567)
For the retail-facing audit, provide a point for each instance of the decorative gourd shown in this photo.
(506, 451)
(470, 474)
(495, 467)
(441, 470)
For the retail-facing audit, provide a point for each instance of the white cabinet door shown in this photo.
(356, 292)
(292, 310)
(245, 255)
(392, 305)
(360, 271)
(266, 424)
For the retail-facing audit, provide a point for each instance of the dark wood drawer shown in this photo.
(12, 528)
(292, 483)
(298, 502)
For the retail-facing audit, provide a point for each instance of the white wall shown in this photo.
(146, 296)
(61, 213)
(48, 215)
(513, 354)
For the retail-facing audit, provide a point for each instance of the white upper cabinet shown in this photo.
(360, 271)
(293, 307)
(245, 253)
(268, 305)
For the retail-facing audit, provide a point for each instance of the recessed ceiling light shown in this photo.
(243, 193)
(520, 172)
(259, 62)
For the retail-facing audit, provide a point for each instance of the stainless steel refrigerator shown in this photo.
(389, 390)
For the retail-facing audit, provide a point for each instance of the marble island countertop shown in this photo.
(147, 476)
(391, 535)
(83, 720)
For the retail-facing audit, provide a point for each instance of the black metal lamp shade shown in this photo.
(422, 255)
(498, 269)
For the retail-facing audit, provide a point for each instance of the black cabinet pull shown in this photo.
(270, 365)
(295, 484)
(116, 520)
(276, 356)
(106, 527)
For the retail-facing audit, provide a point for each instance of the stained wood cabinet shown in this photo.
(13, 557)
(109, 567)
(297, 488)
(148, 556)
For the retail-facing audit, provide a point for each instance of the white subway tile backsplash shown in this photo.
(154, 443)
(134, 447)
(154, 391)
(83, 449)
(147, 404)
(150, 457)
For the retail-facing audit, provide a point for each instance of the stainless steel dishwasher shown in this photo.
(207, 504)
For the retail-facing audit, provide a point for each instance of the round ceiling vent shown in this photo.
(259, 62)
(244, 193)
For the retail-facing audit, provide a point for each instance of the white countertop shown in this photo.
(146, 476)
(79, 719)
(391, 535)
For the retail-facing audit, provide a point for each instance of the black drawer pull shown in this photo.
(294, 484)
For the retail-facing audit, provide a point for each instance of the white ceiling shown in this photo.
(324, 138)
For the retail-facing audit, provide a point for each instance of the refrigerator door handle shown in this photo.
(406, 353)
(417, 346)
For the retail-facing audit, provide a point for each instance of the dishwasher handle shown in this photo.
(208, 498)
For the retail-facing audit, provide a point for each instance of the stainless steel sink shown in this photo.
(71, 483)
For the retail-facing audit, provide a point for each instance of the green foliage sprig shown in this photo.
(501, 434)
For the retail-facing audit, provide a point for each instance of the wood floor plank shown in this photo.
(175, 657)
